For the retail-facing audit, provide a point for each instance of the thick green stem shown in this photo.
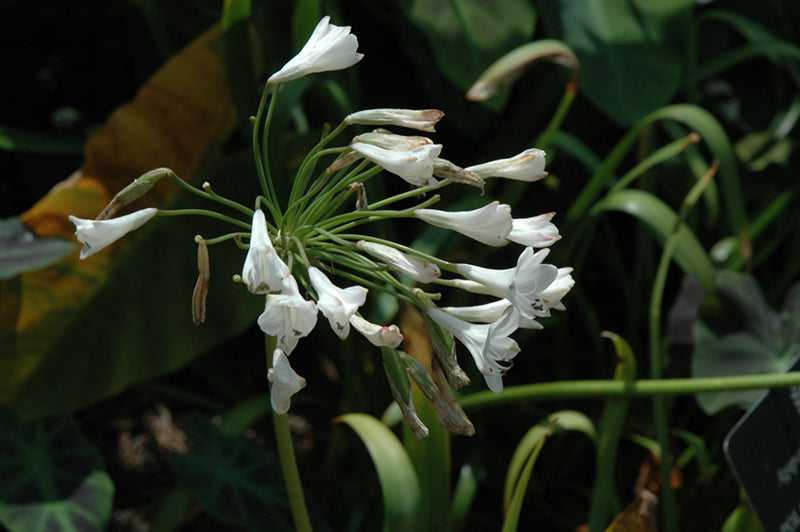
(291, 475)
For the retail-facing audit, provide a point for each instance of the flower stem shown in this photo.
(291, 475)
(582, 389)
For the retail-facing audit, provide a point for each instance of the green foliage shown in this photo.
(738, 333)
(52, 478)
(234, 480)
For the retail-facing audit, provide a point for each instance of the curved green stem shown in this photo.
(204, 212)
(291, 475)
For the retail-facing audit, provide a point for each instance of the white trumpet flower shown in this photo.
(423, 120)
(490, 225)
(417, 269)
(414, 165)
(489, 344)
(330, 47)
(489, 312)
(336, 304)
(285, 382)
(535, 232)
(97, 234)
(263, 269)
(522, 285)
(378, 335)
(525, 166)
(288, 316)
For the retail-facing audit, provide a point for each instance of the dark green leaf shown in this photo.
(23, 251)
(52, 478)
(630, 51)
(236, 481)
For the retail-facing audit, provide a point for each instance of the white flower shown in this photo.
(337, 304)
(392, 141)
(414, 165)
(263, 268)
(522, 285)
(424, 120)
(489, 344)
(558, 289)
(417, 269)
(489, 312)
(526, 166)
(288, 316)
(97, 234)
(535, 232)
(285, 382)
(378, 335)
(329, 48)
(491, 224)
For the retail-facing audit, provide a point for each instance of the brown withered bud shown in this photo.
(361, 202)
(447, 170)
(343, 162)
(201, 287)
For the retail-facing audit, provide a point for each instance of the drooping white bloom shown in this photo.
(490, 225)
(285, 382)
(378, 335)
(489, 312)
(414, 166)
(417, 269)
(97, 234)
(521, 285)
(337, 304)
(263, 269)
(489, 344)
(423, 120)
(525, 166)
(535, 232)
(330, 47)
(562, 284)
(288, 316)
(392, 141)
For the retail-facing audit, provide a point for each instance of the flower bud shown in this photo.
(423, 120)
(134, 191)
(201, 287)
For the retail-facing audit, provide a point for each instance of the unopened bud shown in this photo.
(444, 346)
(361, 201)
(447, 170)
(201, 287)
(134, 191)
(343, 162)
(424, 120)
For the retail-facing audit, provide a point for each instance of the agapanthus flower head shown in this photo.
(525, 166)
(330, 47)
(285, 382)
(97, 234)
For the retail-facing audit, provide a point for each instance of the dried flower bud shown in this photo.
(201, 287)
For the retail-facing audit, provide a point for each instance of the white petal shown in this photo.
(263, 269)
(285, 382)
(526, 166)
(335, 303)
(537, 232)
(490, 225)
(417, 269)
(424, 120)
(378, 335)
(288, 316)
(97, 234)
(329, 48)
(414, 166)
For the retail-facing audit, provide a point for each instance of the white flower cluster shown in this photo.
(314, 234)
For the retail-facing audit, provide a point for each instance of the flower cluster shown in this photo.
(296, 243)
